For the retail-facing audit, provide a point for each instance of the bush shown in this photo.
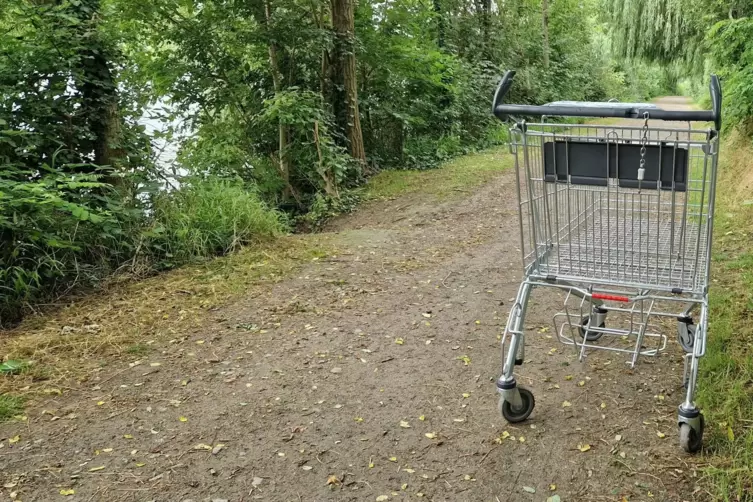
(208, 217)
(57, 230)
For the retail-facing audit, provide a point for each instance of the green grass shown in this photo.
(10, 406)
(725, 384)
(458, 175)
(138, 349)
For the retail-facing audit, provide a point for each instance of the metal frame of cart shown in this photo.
(620, 218)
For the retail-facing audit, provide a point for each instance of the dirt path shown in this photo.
(366, 375)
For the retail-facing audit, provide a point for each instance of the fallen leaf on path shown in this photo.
(306, 467)
(661, 435)
(466, 395)
(331, 480)
(552, 487)
(553, 498)
(382, 498)
(65, 493)
(217, 448)
(127, 436)
(202, 446)
(183, 419)
(404, 424)
(603, 405)
(568, 377)
(399, 341)
(422, 418)
(618, 437)
(257, 481)
(426, 314)
(393, 459)
(466, 360)
(566, 404)
(140, 464)
(100, 403)
(95, 469)
(431, 435)
(358, 419)
(522, 439)
(14, 439)
(529, 489)
(584, 447)
(581, 383)
(409, 471)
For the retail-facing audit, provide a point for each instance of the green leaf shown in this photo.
(13, 367)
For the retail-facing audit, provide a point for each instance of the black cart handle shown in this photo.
(501, 111)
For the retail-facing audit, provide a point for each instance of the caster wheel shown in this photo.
(590, 336)
(686, 335)
(513, 414)
(691, 440)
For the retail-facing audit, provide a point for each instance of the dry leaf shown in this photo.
(100, 403)
(202, 446)
(522, 439)
(529, 489)
(404, 424)
(127, 436)
(566, 404)
(466, 395)
(399, 341)
(409, 471)
(393, 459)
(95, 469)
(422, 418)
(603, 405)
(661, 435)
(568, 377)
(581, 383)
(431, 435)
(14, 439)
(332, 480)
(552, 487)
(140, 464)
(584, 447)
(382, 498)
(183, 419)
(358, 419)
(65, 493)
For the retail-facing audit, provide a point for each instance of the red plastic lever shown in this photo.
(601, 296)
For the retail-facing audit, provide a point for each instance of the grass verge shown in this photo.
(458, 175)
(69, 345)
(725, 385)
(10, 407)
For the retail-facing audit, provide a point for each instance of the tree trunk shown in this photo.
(440, 23)
(99, 92)
(283, 131)
(545, 28)
(343, 24)
(486, 23)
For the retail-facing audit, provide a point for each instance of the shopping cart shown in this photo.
(619, 218)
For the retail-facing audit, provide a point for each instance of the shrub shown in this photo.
(208, 217)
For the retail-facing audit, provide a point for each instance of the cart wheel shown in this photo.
(590, 336)
(686, 335)
(690, 439)
(513, 414)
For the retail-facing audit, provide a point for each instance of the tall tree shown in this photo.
(545, 31)
(345, 51)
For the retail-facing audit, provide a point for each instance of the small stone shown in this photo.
(336, 370)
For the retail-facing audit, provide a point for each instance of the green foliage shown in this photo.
(57, 229)
(208, 217)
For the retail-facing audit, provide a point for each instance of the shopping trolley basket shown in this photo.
(620, 219)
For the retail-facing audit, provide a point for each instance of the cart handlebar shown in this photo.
(619, 110)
